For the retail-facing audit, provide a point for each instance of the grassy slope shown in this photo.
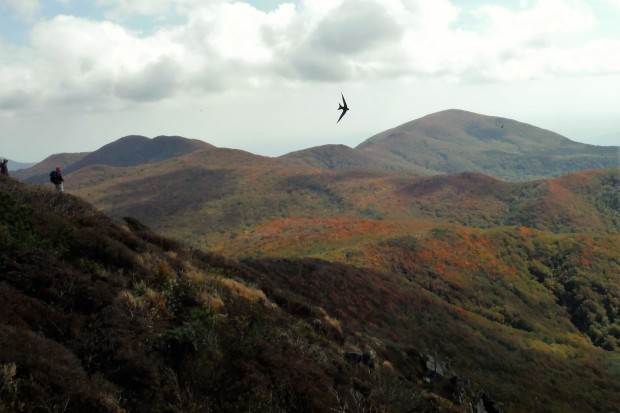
(214, 198)
(508, 333)
(97, 317)
(369, 219)
(342, 157)
(514, 310)
(455, 141)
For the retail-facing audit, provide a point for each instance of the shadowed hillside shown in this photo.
(100, 317)
(40, 171)
(128, 151)
(136, 150)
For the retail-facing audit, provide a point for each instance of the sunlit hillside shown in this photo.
(215, 197)
(453, 141)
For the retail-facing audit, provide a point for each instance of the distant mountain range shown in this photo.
(209, 196)
(14, 166)
(455, 141)
(450, 141)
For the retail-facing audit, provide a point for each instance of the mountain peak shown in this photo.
(456, 140)
(135, 149)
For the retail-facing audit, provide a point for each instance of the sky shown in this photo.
(266, 76)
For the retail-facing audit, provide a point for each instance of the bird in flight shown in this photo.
(342, 108)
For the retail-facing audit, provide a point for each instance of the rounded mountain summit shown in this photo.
(453, 141)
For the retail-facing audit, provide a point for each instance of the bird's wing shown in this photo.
(343, 101)
(341, 115)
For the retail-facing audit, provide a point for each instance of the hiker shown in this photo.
(4, 169)
(56, 179)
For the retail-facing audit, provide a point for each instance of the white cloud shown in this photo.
(224, 45)
(615, 3)
(147, 7)
(22, 9)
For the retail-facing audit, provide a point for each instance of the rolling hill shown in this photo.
(136, 150)
(210, 198)
(213, 197)
(451, 141)
(454, 141)
(39, 172)
(127, 151)
(15, 166)
(342, 157)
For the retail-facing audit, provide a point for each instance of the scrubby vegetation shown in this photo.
(404, 305)
(100, 317)
(216, 198)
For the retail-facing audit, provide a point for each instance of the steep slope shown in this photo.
(456, 141)
(97, 317)
(104, 318)
(520, 336)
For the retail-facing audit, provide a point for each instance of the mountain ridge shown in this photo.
(453, 141)
(450, 141)
(127, 151)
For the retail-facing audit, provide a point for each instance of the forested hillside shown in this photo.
(426, 316)
(107, 318)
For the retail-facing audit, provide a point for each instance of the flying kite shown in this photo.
(342, 108)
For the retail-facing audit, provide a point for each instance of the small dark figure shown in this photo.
(56, 179)
(4, 169)
(342, 108)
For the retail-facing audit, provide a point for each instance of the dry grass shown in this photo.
(157, 301)
(165, 271)
(211, 301)
(7, 378)
(250, 294)
(330, 321)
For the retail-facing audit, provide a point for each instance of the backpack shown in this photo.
(54, 176)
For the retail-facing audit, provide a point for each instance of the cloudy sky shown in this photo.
(266, 75)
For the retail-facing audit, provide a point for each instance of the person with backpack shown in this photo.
(4, 169)
(56, 179)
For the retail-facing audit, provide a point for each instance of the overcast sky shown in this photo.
(266, 75)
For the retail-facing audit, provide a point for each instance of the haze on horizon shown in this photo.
(266, 75)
